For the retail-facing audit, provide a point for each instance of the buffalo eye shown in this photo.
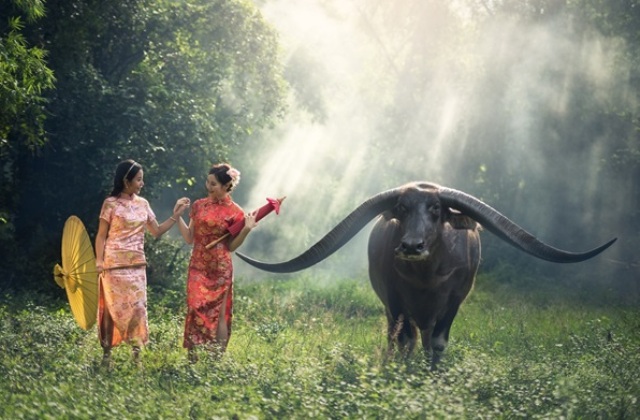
(435, 210)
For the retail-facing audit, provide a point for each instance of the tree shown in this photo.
(24, 78)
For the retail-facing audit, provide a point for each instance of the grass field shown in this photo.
(307, 348)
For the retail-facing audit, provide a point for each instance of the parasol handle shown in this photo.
(214, 243)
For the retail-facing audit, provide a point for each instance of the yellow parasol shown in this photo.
(78, 274)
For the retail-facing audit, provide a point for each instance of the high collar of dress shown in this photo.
(224, 200)
(127, 197)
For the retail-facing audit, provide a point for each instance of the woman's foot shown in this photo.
(106, 357)
(217, 351)
(192, 356)
(136, 354)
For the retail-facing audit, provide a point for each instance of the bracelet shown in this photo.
(173, 218)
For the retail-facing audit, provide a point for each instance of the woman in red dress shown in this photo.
(210, 277)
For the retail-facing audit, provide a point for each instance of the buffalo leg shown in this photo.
(401, 332)
(427, 345)
(440, 334)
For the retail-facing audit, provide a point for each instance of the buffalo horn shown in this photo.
(505, 229)
(336, 238)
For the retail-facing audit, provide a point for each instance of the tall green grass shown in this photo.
(309, 348)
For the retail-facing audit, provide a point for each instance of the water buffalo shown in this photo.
(424, 252)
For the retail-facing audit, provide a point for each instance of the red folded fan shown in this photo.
(234, 229)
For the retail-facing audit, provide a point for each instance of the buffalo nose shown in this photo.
(410, 248)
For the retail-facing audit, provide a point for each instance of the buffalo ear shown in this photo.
(458, 220)
(388, 215)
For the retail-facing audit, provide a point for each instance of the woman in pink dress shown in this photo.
(210, 276)
(122, 308)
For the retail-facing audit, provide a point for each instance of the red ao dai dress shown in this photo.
(122, 308)
(210, 277)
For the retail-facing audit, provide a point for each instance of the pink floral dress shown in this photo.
(210, 278)
(122, 310)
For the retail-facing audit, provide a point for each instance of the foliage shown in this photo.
(24, 79)
(304, 348)
(175, 85)
(528, 105)
(167, 260)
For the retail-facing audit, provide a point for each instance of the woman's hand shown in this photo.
(250, 220)
(181, 205)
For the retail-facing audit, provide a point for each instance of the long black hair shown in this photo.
(127, 169)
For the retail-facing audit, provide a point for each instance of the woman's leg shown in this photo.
(106, 333)
(105, 323)
(222, 333)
